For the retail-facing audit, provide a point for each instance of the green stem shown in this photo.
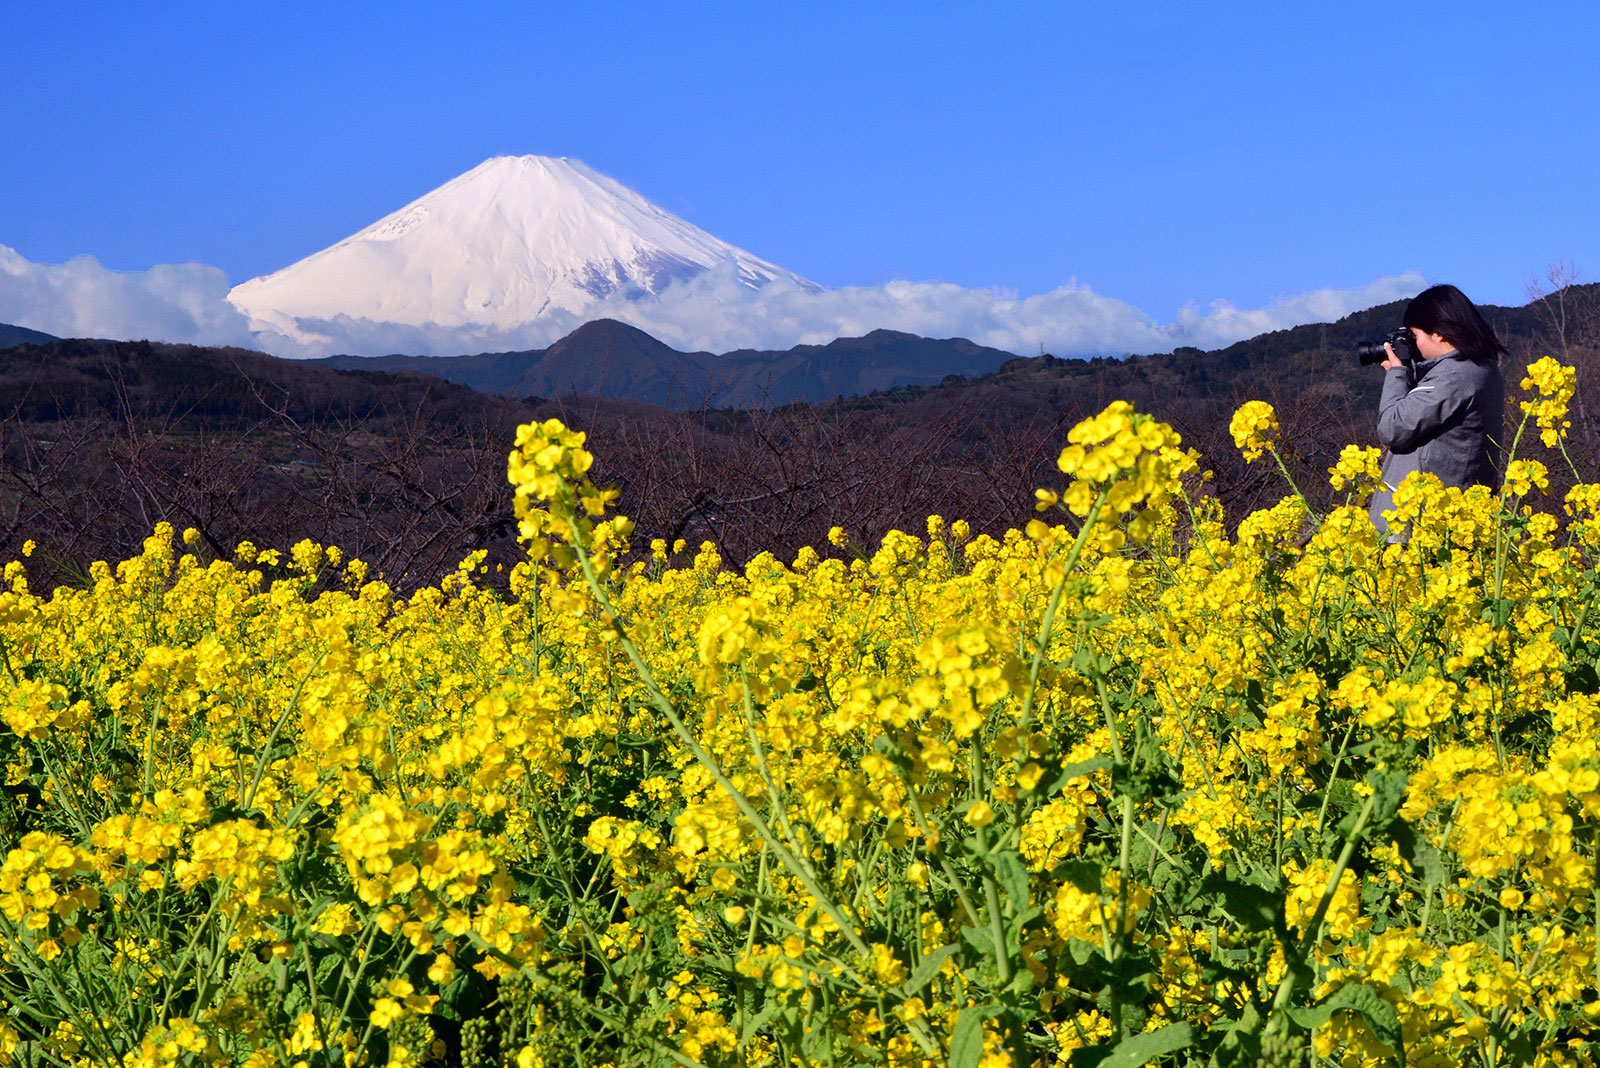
(1122, 872)
(1287, 477)
(188, 951)
(1500, 521)
(779, 809)
(1286, 988)
(1047, 624)
(991, 888)
(944, 864)
(266, 747)
(1333, 775)
(664, 705)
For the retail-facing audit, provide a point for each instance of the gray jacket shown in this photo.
(1441, 416)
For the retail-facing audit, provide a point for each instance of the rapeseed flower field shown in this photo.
(1119, 788)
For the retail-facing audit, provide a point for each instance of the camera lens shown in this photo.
(1370, 352)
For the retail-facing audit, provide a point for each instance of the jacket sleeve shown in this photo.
(1407, 418)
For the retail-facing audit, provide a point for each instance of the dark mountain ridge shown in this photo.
(1315, 361)
(20, 335)
(607, 358)
(221, 389)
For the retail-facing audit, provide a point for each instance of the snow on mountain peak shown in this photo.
(515, 238)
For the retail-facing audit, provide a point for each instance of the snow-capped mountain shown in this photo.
(513, 239)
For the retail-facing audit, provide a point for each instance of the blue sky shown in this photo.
(1162, 153)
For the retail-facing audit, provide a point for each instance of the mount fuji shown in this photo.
(515, 240)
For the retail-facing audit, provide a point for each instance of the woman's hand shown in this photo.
(1392, 361)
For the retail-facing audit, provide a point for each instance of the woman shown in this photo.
(1442, 412)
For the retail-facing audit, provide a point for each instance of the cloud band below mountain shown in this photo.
(714, 312)
(185, 302)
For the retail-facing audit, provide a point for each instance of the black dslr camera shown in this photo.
(1405, 347)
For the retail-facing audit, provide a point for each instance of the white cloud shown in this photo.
(1224, 323)
(716, 312)
(81, 298)
(713, 312)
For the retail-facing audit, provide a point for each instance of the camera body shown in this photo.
(1405, 347)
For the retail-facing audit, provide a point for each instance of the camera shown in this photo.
(1405, 347)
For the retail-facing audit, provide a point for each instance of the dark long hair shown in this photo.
(1446, 311)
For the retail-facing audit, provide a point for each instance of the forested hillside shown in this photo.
(101, 440)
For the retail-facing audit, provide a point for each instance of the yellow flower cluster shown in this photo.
(1524, 476)
(1553, 384)
(42, 892)
(1117, 461)
(982, 800)
(1359, 469)
(1254, 428)
(553, 499)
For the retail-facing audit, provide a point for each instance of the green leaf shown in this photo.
(1582, 678)
(755, 1023)
(1241, 1041)
(1144, 773)
(1418, 852)
(1012, 874)
(464, 999)
(1137, 1049)
(1388, 792)
(889, 748)
(1076, 771)
(1389, 786)
(1083, 874)
(927, 968)
(1089, 663)
(1354, 997)
(1019, 923)
(1022, 983)
(1129, 977)
(1248, 904)
(1083, 952)
(1518, 1046)
(966, 1041)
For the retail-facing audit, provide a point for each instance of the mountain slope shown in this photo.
(513, 239)
(20, 335)
(606, 358)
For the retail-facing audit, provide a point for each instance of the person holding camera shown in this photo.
(1443, 398)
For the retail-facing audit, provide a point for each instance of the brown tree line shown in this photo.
(101, 442)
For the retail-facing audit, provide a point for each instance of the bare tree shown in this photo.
(1552, 297)
(1570, 311)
